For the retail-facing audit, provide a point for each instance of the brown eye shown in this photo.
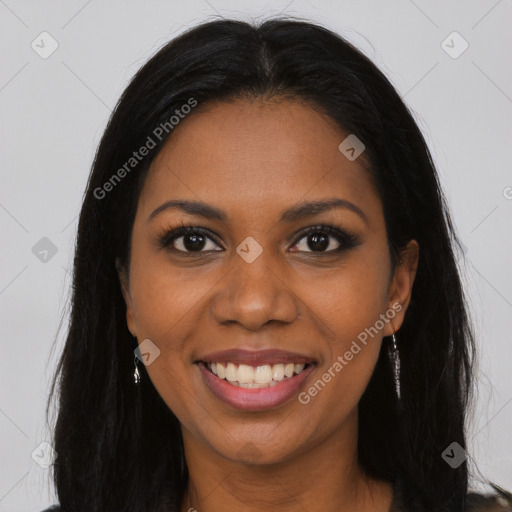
(325, 239)
(188, 239)
(318, 242)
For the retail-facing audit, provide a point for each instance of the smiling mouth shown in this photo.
(262, 376)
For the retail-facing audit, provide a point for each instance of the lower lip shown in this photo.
(255, 399)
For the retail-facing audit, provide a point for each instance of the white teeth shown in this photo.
(263, 374)
(244, 374)
(278, 372)
(231, 372)
(250, 377)
(252, 385)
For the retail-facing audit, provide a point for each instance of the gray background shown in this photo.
(53, 113)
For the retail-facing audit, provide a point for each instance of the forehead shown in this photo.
(256, 154)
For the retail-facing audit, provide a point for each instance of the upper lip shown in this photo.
(255, 357)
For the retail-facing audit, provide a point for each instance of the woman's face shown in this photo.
(251, 278)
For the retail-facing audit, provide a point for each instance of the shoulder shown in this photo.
(499, 501)
(481, 503)
(53, 508)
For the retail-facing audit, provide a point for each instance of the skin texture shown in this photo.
(253, 159)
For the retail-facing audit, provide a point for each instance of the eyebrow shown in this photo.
(307, 209)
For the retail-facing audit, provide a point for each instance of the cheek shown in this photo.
(350, 299)
(165, 297)
(347, 307)
(166, 304)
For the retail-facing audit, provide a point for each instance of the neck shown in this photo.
(327, 477)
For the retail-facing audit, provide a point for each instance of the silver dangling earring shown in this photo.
(394, 355)
(136, 374)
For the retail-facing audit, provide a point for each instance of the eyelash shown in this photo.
(346, 239)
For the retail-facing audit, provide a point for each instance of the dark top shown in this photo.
(474, 502)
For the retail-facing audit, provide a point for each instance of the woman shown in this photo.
(267, 312)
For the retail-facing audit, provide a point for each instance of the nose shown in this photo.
(254, 294)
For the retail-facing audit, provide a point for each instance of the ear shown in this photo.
(400, 287)
(125, 290)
